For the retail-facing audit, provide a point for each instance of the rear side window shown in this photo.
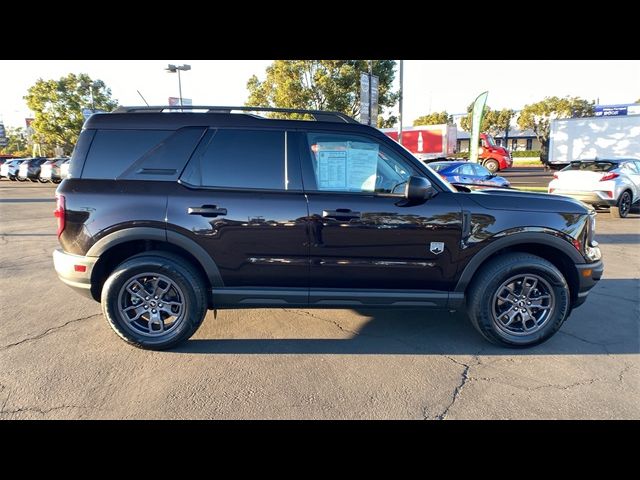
(113, 151)
(240, 159)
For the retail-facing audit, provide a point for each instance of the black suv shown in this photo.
(166, 214)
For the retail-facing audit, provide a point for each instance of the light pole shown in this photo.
(174, 69)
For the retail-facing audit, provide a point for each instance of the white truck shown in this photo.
(590, 137)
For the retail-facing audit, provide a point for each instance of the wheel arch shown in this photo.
(116, 247)
(557, 251)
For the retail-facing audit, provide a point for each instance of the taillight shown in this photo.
(59, 213)
(609, 176)
(555, 175)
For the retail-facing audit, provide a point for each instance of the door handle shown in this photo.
(340, 214)
(207, 211)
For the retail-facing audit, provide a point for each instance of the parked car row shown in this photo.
(36, 169)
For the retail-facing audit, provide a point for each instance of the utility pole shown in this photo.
(400, 104)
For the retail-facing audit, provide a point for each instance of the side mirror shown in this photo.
(419, 189)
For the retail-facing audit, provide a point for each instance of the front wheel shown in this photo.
(622, 208)
(492, 165)
(518, 300)
(154, 301)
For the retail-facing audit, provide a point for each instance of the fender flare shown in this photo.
(160, 235)
(548, 239)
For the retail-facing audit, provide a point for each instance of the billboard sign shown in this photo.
(175, 101)
(364, 98)
(615, 110)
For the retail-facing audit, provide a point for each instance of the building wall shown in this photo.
(515, 144)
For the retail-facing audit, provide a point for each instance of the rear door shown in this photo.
(240, 198)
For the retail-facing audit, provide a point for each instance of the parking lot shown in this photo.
(59, 358)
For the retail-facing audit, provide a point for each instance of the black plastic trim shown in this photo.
(160, 235)
(511, 240)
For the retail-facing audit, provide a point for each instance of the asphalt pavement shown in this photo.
(59, 358)
(527, 176)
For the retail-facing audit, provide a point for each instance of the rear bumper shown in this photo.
(592, 198)
(65, 265)
(588, 276)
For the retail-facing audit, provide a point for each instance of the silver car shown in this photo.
(613, 183)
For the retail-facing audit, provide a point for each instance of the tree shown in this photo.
(16, 142)
(465, 122)
(322, 85)
(435, 118)
(493, 121)
(58, 106)
(538, 116)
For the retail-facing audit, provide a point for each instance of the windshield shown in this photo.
(491, 141)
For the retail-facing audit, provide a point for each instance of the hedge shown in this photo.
(523, 153)
(526, 153)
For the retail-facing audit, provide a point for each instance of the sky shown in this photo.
(429, 85)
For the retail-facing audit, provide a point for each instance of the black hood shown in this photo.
(502, 199)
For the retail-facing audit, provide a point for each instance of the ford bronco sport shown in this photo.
(166, 214)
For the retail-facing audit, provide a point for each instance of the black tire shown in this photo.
(622, 208)
(34, 180)
(492, 165)
(486, 285)
(176, 269)
(43, 180)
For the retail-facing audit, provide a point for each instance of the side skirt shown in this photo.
(251, 297)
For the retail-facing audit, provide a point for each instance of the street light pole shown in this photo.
(173, 69)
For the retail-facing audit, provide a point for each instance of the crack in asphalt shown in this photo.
(41, 411)
(352, 332)
(47, 332)
(599, 344)
(457, 392)
(626, 368)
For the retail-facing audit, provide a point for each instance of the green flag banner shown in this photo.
(476, 121)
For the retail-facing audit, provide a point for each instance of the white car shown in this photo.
(613, 183)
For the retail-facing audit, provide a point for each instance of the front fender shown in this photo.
(541, 236)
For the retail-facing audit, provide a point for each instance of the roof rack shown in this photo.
(318, 115)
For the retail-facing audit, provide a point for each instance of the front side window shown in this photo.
(353, 163)
(481, 171)
(465, 170)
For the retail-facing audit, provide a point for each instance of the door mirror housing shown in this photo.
(418, 189)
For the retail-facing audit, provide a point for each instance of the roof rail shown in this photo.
(318, 115)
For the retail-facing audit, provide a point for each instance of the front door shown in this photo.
(363, 234)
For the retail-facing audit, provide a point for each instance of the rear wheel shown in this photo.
(492, 165)
(154, 301)
(518, 300)
(623, 206)
(43, 180)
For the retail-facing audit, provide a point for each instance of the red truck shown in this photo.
(438, 142)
